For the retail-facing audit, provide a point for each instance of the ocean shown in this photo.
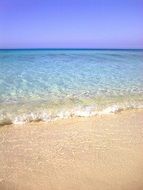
(48, 84)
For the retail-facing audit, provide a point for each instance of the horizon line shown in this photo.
(71, 48)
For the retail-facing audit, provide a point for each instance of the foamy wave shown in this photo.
(86, 111)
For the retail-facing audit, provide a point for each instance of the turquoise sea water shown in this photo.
(51, 84)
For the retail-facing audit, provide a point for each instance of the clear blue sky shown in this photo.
(71, 23)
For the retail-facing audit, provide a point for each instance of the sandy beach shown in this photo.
(103, 153)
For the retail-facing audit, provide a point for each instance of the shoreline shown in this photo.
(83, 114)
(98, 152)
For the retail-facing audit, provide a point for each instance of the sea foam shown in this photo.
(85, 111)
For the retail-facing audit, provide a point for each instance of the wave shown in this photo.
(45, 116)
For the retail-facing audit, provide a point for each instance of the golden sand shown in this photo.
(97, 153)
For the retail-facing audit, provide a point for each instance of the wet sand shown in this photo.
(97, 153)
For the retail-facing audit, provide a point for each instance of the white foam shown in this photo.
(80, 111)
(26, 118)
(64, 114)
(111, 109)
(85, 112)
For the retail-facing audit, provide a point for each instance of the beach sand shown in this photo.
(96, 153)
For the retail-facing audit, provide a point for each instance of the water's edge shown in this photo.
(46, 117)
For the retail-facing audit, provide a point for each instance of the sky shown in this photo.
(71, 23)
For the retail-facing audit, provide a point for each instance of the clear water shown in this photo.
(47, 84)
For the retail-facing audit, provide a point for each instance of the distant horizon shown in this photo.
(71, 48)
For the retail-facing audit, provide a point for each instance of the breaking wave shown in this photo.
(45, 116)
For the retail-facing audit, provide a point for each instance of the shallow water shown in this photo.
(47, 84)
